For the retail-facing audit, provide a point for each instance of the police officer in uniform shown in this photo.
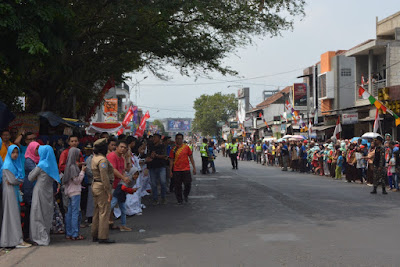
(379, 166)
(103, 177)
(234, 153)
(259, 152)
(204, 156)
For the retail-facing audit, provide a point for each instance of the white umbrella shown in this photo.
(299, 137)
(286, 136)
(371, 135)
(269, 139)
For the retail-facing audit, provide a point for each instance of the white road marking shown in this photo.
(279, 237)
(204, 196)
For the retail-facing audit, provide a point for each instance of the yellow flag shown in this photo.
(397, 121)
(377, 104)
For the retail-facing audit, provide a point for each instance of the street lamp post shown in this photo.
(136, 85)
(313, 75)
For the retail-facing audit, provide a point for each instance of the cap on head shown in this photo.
(100, 142)
(88, 146)
(380, 138)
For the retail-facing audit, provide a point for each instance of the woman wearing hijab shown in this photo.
(45, 173)
(72, 180)
(11, 231)
(31, 160)
(1, 189)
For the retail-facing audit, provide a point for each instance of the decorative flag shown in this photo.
(376, 122)
(142, 126)
(135, 115)
(338, 129)
(262, 117)
(365, 95)
(397, 119)
(127, 119)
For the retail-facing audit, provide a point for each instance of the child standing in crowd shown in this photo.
(72, 180)
(339, 165)
(391, 173)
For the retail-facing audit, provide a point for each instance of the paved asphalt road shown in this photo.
(255, 216)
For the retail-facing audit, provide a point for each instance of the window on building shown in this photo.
(345, 72)
(322, 86)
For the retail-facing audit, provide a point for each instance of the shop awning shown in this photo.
(368, 119)
(54, 120)
(74, 122)
(109, 127)
(323, 127)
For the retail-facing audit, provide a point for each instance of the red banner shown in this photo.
(127, 119)
(142, 126)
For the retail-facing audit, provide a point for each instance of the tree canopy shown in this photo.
(161, 127)
(54, 50)
(213, 108)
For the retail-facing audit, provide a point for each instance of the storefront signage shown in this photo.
(351, 118)
(233, 125)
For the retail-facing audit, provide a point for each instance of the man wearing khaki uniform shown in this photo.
(103, 177)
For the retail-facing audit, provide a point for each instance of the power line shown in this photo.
(177, 110)
(224, 81)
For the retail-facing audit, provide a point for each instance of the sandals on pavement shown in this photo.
(79, 237)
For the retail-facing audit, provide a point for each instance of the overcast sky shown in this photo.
(328, 26)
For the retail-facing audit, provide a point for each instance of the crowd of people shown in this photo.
(85, 181)
(371, 161)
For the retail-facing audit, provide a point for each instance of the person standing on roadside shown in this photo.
(379, 166)
(31, 160)
(157, 168)
(204, 156)
(180, 169)
(117, 160)
(285, 156)
(45, 174)
(12, 176)
(103, 176)
(234, 154)
(258, 151)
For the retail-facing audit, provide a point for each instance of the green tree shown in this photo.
(59, 51)
(161, 127)
(213, 108)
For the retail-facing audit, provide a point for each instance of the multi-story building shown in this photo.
(377, 64)
(333, 78)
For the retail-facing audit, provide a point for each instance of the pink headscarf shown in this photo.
(30, 152)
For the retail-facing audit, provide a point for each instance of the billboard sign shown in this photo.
(111, 110)
(241, 109)
(179, 125)
(300, 94)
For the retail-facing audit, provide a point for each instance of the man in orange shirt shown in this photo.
(180, 169)
(6, 138)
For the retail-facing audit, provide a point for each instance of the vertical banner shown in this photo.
(142, 126)
(127, 119)
(300, 94)
(111, 110)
